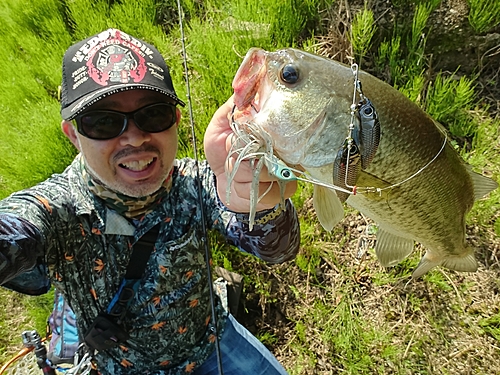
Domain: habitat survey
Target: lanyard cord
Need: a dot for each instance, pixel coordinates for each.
(204, 238)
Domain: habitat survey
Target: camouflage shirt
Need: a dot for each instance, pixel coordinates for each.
(59, 232)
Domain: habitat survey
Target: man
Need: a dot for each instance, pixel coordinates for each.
(79, 229)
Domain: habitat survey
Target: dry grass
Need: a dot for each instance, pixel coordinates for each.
(13, 321)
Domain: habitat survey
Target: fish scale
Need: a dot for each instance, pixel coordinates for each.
(416, 188)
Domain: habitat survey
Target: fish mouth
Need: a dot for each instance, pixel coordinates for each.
(247, 83)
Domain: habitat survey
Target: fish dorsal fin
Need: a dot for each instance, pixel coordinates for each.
(392, 249)
(482, 185)
(328, 207)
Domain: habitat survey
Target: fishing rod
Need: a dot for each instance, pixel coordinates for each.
(200, 197)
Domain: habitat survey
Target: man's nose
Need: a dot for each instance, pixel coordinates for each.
(133, 136)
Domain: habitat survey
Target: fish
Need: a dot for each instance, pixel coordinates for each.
(361, 142)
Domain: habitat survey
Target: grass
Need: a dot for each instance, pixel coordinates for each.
(362, 31)
(484, 15)
(334, 309)
(450, 101)
(20, 313)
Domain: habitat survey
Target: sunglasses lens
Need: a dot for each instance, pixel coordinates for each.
(155, 118)
(101, 124)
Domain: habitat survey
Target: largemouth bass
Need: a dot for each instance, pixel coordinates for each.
(361, 141)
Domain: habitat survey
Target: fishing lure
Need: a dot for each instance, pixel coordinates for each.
(360, 145)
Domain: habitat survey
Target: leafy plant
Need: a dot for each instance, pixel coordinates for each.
(362, 30)
(331, 301)
(449, 101)
(484, 15)
(491, 325)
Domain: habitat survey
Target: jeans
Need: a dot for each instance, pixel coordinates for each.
(242, 354)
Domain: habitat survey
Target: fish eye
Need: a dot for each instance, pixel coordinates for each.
(289, 74)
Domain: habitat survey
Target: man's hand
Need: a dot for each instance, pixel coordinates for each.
(217, 143)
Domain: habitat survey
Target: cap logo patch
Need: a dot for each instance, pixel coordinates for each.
(116, 64)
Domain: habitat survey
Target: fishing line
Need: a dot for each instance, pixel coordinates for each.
(356, 189)
(379, 190)
(204, 237)
(279, 169)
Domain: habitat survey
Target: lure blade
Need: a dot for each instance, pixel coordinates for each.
(369, 132)
(346, 168)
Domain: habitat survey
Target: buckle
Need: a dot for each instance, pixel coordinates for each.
(105, 333)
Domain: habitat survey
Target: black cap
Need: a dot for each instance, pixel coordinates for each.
(107, 63)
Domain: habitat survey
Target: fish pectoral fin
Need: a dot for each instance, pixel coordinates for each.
(367, 180)
(328, 207)
(482, 185)
(392, 249)
(466, 263)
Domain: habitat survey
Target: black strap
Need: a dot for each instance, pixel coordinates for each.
(141, 253)
(136, 265)
(106, 330)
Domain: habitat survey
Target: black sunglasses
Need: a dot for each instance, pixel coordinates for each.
(105, 124)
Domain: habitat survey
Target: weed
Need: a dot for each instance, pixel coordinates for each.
(309, 259)
(267, 338)
(20, 313)
(449, 101)
(291, 20)
(39, 308)
(300, 329)
(491, 325)
(438, 279)
(416, 40)
(484, 14)
(389, 61)
(404, 53)
(362, 30)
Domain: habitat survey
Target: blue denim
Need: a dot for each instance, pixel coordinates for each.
(242, 354)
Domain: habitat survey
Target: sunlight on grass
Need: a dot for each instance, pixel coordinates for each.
(449, 101)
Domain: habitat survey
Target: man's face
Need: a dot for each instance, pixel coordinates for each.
(136, 163)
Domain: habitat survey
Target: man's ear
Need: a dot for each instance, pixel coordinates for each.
(70, 131)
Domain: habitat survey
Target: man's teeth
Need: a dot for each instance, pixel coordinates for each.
(137, 165)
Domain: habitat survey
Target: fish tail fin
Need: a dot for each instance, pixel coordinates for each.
(466, 263)
(482, 185)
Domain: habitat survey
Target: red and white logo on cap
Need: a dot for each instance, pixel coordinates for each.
(116, 62)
